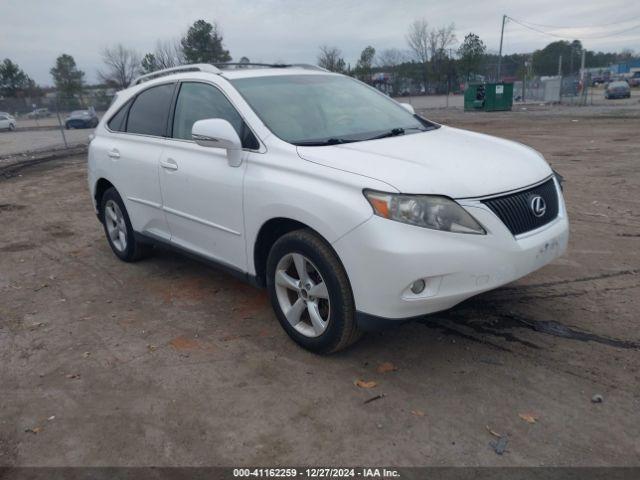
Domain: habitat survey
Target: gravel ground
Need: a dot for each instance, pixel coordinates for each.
(168, 362)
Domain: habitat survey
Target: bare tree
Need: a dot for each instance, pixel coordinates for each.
(441, 39)
(168, 54)
(331, 59)
(122, 66)
(418, 41)
(390, 57)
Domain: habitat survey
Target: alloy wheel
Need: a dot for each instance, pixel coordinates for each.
(116, 226)
(302, 295)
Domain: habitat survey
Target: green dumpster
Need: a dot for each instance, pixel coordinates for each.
(488, 97)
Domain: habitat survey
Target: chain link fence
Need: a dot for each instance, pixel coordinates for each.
(50, 124)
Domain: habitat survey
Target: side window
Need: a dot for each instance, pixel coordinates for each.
(2, 117)
(197, 101)
(148, 114)
(117, 122)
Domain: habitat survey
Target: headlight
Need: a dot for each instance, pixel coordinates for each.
(428, 211)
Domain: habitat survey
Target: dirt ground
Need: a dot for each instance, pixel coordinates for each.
(168, 362)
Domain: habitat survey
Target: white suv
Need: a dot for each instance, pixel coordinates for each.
(353, 211)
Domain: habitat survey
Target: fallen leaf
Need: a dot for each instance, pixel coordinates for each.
(386, 367)
(86, 354)
(493, 432)
(34, 430)
(73, 375)
(418, 413)
(152, 348)
(528, 417)
(52, 417)
(365, 384)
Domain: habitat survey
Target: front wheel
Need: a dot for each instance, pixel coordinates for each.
(310, 293)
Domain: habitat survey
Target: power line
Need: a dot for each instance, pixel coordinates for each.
(564, 37)
(567, 27)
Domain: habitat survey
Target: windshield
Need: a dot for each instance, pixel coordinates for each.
(325, 109)
(79, 112)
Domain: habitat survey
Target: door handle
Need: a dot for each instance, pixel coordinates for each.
(169, 164)
(114, 153)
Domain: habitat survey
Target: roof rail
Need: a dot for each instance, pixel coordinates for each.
(194, 67)
(240, 65)
(250, 64)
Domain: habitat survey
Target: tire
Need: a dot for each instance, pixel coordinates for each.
(129, 249)
(12, 127)
(334, 305)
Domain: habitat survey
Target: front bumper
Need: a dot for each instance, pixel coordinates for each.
(383, 258)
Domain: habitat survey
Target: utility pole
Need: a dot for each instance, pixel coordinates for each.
(560, 66)
(449, 76)
(504, 20)
(571, 62)
(583, 77)
(524, 80)
(560, 75)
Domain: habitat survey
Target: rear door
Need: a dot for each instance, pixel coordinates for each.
(135, 149)
(4, 122)
(202, 193)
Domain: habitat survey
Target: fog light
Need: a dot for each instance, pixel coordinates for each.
(417, 287)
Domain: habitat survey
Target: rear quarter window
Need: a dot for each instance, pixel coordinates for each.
(149, 111)
(119, 121)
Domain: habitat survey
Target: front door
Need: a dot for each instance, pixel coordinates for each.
(201, 192)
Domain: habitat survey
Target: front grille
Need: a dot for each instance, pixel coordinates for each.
(516, 212)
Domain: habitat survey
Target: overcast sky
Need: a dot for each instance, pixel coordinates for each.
(34, 32)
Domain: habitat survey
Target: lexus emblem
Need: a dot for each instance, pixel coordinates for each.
(538, 205)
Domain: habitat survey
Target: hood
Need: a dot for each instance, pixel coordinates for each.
(447, 161)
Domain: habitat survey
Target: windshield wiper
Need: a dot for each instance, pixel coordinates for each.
(319, 143)
(394, 132)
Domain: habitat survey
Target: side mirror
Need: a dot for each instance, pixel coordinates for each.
(409, 108)
(218, 133)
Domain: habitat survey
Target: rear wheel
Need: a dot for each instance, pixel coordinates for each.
(118, 229)
(310, 293)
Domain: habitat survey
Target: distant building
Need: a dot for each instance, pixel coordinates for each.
(625, 67)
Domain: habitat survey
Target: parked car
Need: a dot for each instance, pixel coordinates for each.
(600, 78)
(7, 122)
(81, 119)
(619, 89)
(354, 212)
(39, 113)
(634, 80)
